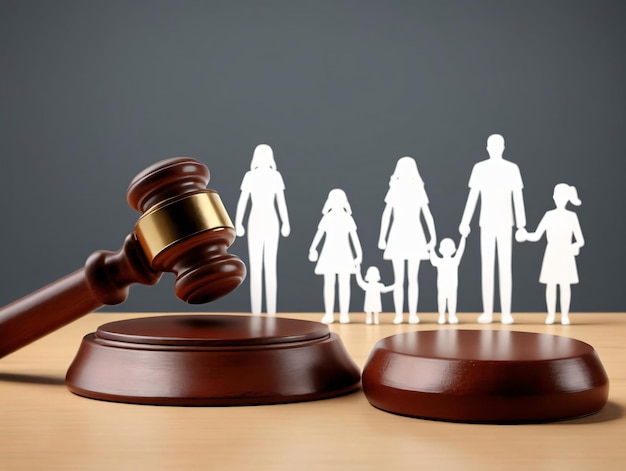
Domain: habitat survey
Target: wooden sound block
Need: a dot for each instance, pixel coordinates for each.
(214, 360)
(491, 376)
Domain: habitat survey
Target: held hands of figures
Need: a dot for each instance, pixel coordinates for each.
(313, 255)
(240, 230)
(521, 235)
(431, 244)
(382, 244)
(464, 230)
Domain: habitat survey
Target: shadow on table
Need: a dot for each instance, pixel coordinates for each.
(611, 411)
(32, 379)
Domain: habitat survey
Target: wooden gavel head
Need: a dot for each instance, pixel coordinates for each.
(184, 229)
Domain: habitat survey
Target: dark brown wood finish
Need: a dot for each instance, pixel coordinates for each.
(214, 360)
(205, 271)
(492, 376)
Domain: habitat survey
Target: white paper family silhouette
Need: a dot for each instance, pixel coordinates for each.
(496, 182)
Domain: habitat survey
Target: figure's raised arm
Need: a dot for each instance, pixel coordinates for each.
(387, 289)
(460, 249)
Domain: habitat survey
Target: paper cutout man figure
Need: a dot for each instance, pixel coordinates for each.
(559, 260)
(402, 235)
(447, 277)
(340, 254)
(373, 289)
(498, 183)
(264, 186)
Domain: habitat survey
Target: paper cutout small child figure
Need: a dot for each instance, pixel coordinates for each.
(447, 277)
(340, 253)
(373, 289)
(559, 260)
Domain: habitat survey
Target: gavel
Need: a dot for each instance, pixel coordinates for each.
(184, 229)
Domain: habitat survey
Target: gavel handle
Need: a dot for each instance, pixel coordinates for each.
(104, 279)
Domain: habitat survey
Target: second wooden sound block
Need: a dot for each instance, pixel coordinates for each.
(214, 360)
(490, 376)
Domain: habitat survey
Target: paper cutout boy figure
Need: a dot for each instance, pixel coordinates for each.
(340, 254)
(402, 235)
(559, 260)
(498, 184)
(447, 277)
(263, 185)
(373, 289)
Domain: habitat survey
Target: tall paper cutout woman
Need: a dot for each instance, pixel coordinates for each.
(263, 185)
(402, 235)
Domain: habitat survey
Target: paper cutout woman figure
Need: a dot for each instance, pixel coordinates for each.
(373, 289)
(264, 186)
(498, 183)
(447, 277)
(340, 253)
(402, 235)
(559, 260)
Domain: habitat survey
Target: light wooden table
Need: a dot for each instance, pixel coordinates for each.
(45, 427)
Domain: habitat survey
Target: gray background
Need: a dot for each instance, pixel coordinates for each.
(93, 92)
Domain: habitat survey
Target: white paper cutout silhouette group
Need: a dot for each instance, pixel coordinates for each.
(407, 236)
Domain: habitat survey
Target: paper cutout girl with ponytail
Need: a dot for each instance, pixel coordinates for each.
(339, 256)
(559, 260)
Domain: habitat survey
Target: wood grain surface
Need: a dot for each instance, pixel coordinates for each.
(45, 427)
